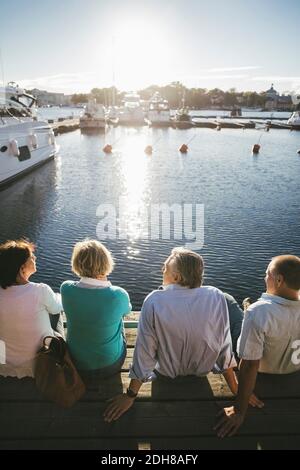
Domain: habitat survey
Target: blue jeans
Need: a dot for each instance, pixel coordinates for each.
(92, 377)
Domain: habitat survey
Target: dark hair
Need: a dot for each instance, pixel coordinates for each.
(289, 267)
(13, 254)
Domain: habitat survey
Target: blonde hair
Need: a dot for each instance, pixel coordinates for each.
(90, 258)
(189, 265)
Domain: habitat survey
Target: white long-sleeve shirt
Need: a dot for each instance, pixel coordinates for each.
(24, 322)
(182, 332)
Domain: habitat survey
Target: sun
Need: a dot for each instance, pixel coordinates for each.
(140, 53)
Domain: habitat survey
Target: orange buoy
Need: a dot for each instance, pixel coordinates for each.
(255, 148)
(107, 148)
(148, 150)
(183, 149)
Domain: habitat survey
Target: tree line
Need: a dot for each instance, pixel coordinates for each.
(176, 93)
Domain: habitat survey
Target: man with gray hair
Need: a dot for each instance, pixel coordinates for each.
(183, 330)
(269, 345)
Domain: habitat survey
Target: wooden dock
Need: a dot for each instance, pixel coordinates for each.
(168, 414)
(62, 126)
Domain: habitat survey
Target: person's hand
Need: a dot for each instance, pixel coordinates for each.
(117, 406)
(256, 402)
(229, 421)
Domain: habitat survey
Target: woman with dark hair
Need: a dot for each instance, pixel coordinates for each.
(25, 309)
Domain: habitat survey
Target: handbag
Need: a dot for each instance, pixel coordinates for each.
(55, 374)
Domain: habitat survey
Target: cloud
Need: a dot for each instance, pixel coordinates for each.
(63, 83)
(275, 78)
(212, 77)
(233, 69)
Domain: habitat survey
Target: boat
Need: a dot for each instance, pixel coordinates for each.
(294, 121)
(131, 113)
(25, 141)
(159, 112)
(182, 119)
(113, 115)
(94, 117)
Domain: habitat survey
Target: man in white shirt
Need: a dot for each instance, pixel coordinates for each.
(183, 330)
(270, 337)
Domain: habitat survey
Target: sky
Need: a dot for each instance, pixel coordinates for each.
(72, 46)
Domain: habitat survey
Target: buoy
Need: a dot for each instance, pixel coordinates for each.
(14, 148)
(255, 148)
(183, 149)
(298, 152)
(107, 148)
(148, 150)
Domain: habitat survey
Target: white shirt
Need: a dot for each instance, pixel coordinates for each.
(92, 283)
(182, 332)
(271, 334)
(24, 322)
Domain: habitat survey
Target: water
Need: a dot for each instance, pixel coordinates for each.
(251, 202)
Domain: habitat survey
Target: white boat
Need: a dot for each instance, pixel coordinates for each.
(94, 116)
(25, 142)
(131, 113)
(294, 120)
(159, 111)
(113, 115)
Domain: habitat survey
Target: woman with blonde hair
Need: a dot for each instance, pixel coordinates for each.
(95, 309)
(29, 311)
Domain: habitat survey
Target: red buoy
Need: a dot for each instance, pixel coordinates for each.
(255, 148)
(107, 148)
(148, 150)
(183, 149)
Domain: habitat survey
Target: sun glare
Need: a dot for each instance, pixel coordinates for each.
(141, 54)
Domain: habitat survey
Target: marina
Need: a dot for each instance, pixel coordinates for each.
(252, 190)
(149, 229)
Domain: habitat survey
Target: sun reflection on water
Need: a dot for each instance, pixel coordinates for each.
(133, 169)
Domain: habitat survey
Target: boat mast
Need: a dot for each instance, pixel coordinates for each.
(113, 72)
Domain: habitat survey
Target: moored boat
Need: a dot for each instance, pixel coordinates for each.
(94, 117)
(294, 121)
(25, 142)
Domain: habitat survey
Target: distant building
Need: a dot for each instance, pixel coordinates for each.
(271, 99)
(274, 101)
(45, 98)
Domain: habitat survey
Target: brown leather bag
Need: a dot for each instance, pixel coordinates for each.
(55, 374)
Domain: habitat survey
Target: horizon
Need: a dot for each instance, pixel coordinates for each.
(71, 48)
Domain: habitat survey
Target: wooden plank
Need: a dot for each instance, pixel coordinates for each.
(143, 420)
(69, 444)
(188, 388)
(131, 334)
(280, 442)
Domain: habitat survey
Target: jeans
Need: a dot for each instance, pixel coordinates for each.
(92, 377)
